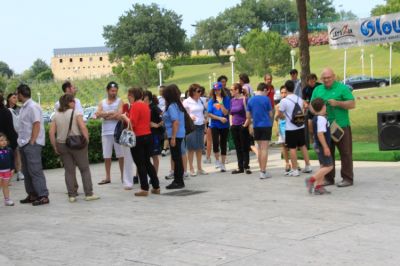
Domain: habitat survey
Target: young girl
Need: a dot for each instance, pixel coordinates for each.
(281, 132)
(6, 168)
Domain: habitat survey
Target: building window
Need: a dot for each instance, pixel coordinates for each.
(90, 59)
(101, 58)
(60, 60)
(63, 68)
(83, 67)
(70, 60)
(81, 59)
(88, 67)
(69, 68)
(104, 66)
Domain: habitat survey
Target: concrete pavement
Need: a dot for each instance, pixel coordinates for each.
(236, 220)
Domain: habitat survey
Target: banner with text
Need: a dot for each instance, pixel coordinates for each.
(374, 30)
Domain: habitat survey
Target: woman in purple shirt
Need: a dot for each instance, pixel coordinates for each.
(239, 129)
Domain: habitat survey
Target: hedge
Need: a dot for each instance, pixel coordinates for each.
(50, 160)
(197, 60)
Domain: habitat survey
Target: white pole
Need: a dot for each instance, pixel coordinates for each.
(390, 65)
(362, 62)
(233, 73)
(372, 65)
(345, 65)
(160, 76)
(209, 78)
(292, 61)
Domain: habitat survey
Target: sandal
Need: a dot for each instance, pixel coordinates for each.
(103, 182)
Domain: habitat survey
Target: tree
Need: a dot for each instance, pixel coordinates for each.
(391, 6)
(38, 67)
(140, 71)
(44, 75)
(239, 21)
(321, 9)
(347, 15)
(145, 30)
(3, 84)
(303, 41)
(211, 34)
(5, 70)
(265, 52)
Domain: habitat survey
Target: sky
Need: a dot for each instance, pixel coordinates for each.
(32, 29)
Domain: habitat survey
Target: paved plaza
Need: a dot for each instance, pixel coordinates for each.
(221, 219)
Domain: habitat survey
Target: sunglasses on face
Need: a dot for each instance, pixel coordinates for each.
(198, 91)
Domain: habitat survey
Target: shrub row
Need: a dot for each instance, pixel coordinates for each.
(197, 60)
(51, 160)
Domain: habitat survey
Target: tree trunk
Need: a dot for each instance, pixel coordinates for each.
(303, 41)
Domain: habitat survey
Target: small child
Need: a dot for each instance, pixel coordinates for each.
(281, 132)
(6, 168)
(322, 140)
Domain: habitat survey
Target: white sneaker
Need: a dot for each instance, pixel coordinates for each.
(93, 197)
(72, 199)
(186, 175)
(193, 173)
(8, 202)
(307, 169)
(20, 176)
(207, 161)
(202, 172)
(265, 175)
(294, 173)
(170, 175)
(217, 164)
(223, 169)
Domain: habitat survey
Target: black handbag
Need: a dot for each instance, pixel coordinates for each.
(77, 142)
(189, 125)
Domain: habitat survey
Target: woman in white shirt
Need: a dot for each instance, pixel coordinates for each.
(195, 107)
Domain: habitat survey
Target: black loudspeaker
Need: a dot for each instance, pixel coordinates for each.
(389, 130)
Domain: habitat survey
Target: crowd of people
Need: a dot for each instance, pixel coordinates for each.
(187, 125)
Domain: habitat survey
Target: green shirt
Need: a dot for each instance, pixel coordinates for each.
(338, 92)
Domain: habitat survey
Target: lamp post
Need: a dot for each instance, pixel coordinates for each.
(214, 76)
(160, 67)
(38, 95)
(292, 54)
(362, 62)
(232, 60)
(371, 56)
(390, 63)
(209, 80)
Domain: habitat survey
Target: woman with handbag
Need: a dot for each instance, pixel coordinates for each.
(139, 121)
(69, 138)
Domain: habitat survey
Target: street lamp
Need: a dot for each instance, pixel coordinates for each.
(160, 67)
(232, 60)
(371, 56)
(292, 54)
(362, 62)
(38, 95)
(209, 79)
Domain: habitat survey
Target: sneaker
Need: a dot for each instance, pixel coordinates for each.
(28, 199)
(248, 171)
(309, 184)
(174, 185)
(237, 171)
(321, 191)
(156, 191)
(8, 202)
(202, 172)
(207, 161)
(217, 164)
(287, 169)
(307, 169)
(294, 173)
(170, 176)
(193, 173)
(164, 153)
(265, 175)
(142, 193)
(41, 201)
(20, 176)
(93, 197)
(186, 175)
(223, 169)
(72, 199)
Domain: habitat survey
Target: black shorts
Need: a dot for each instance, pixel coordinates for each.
(158, 142)
(295, 138)
(262, 133)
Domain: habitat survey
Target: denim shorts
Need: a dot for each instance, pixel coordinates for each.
(323, 160)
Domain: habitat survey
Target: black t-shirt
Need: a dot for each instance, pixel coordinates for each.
(308, 91)
(156, 118)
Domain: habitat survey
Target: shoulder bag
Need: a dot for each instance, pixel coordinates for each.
(77, 142)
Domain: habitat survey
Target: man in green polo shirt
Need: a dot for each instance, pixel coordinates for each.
(339, 100)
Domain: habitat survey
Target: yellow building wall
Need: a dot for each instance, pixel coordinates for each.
(82, 66)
